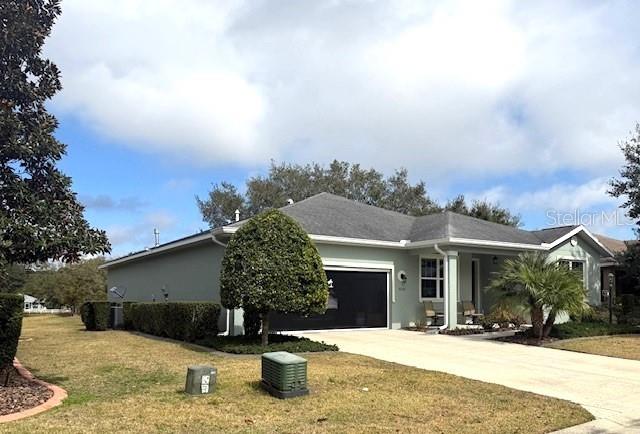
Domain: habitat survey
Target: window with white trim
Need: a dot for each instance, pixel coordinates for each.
(577, 266)
(431, 278)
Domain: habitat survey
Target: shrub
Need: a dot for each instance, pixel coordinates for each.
(462, 332)
(127, 319)
(592, 314)
(253, 345)
(628, 309)
(95, 315)
(185, 321)
(11, 307)
(572, 329)
(503, 317)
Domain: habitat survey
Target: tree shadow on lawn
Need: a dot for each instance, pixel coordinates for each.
(53, 379)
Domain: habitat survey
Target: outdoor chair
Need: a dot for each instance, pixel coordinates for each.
(431, 314)
(471, 316)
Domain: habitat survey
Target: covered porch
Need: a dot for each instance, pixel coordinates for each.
(452, 282)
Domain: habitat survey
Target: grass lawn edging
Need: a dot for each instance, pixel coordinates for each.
(59, 395)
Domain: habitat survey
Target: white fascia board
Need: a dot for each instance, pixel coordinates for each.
(329, 239)
(575, 232)
(402, 244)
(476, 243)
(169, 246)
(497, 244)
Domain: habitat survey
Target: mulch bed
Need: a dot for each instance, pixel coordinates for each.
(21, 394)
(526, 339)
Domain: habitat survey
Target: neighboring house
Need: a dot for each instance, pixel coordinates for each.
(31, 303)
(382, 265)
(610, 266)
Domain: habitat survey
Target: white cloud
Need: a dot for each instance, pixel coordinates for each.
(561, 197)
(565, 204)
(448, 88)
(140, 233)
(107, 202)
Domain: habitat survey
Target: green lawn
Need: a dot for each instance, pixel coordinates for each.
(626, 347)
(121, 382)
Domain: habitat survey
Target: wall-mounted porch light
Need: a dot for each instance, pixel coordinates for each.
(495, 260)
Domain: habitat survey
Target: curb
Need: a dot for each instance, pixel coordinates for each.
(59, 394)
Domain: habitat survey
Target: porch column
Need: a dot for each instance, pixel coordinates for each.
(452, 289)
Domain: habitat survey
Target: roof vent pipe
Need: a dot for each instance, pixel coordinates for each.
(156, 235)
(237, 215)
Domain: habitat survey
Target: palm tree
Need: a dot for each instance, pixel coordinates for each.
(534, 284)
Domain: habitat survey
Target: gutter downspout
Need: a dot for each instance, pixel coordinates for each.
(446, 285)
(220, 243)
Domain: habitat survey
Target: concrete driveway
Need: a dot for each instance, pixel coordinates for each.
(607, 387)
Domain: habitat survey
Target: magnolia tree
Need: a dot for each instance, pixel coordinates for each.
(271, 265)
(40, 216)
(536, 285)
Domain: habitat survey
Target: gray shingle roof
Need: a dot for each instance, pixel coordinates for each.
(328, 214)
(549, 235)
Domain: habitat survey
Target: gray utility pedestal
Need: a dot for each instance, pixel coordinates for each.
(284, 375)
(201, 379)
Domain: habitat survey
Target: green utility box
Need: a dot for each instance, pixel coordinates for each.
(284, 375)
(201, 379)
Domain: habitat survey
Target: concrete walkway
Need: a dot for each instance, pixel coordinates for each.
(607, 387)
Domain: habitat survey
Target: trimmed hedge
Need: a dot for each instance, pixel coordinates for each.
(95, 315)
(11, 308)
(253, 345)
(127, 319)
(570, 330)
(185, 321)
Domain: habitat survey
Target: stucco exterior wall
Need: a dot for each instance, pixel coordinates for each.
(192, 274)
(188, 274)
(583, 251)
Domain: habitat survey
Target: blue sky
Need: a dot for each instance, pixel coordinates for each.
(517, 103)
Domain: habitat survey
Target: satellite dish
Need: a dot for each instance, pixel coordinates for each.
(116, 291)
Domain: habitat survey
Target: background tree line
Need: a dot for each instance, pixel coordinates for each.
(627, 186)
(297, 182)
(69, 285)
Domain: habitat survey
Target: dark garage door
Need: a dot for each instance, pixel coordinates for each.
(358, 300)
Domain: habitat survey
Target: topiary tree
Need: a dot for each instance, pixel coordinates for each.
(271, 265)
